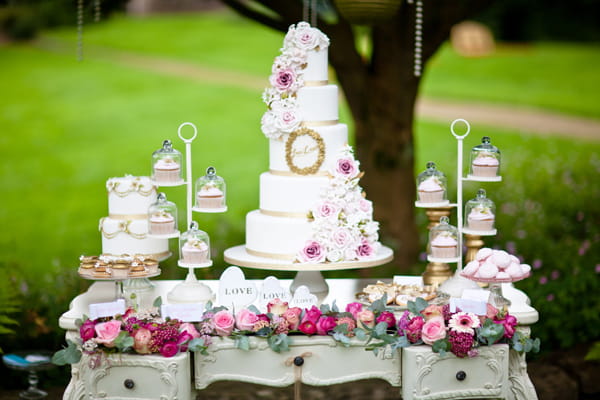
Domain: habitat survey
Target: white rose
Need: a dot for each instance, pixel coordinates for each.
(268, 125)
(334, 255)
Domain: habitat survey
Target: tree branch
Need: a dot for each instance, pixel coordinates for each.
(242, 8)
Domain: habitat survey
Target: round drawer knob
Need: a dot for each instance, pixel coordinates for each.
(298, 361)
(461, 375)
(129, 384)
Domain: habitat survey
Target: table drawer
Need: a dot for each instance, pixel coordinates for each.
(429, 376)
(138, 377)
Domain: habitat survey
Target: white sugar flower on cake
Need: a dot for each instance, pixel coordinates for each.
(287, 77)
(343, 228)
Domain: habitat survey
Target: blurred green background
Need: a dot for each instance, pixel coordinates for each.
(67, 126)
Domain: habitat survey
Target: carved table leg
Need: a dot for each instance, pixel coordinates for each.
(520, 385)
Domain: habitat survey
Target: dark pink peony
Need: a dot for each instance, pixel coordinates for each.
(87, 331)
(325, 324)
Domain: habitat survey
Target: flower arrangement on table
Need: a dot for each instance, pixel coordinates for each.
(460, 333)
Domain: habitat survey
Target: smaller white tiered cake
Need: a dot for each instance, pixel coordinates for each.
(125, 229)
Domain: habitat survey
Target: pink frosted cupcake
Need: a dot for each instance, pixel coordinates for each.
(444, 246)
(485, 166)
(162, 223)
(480, 219)
(167, 170)
(430, 191)
(194, 252)
(210, 196)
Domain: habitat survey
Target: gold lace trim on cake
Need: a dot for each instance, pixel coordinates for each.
(122, 226)
(128, 216)
(136, 186)
(285, 214)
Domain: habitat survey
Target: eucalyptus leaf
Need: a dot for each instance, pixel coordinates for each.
(157, 302)
(381, 329)
(325, 309)
(242, 342)
(360, 334)
(123, 342)
(253, 308)
(196, 344)
(69, 355)
(345, 340)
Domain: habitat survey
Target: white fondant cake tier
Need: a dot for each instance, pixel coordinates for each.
(275, 237)
(334, 138)
(290, 194)
(121, 236)
(318, 103)
(317, 66)
(130, 196)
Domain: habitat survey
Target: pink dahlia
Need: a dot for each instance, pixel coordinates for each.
(460, 343)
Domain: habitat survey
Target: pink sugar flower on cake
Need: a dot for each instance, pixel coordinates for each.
(326, 209)
(284, 80)
(365, 250)
(346, 168)
(313, 252)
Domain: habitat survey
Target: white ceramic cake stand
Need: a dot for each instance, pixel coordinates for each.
(308, 275)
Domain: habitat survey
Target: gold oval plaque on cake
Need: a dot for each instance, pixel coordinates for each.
(304, 151)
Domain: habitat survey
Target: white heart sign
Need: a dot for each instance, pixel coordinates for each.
(271, 290)
(235, 292)
(303, 298)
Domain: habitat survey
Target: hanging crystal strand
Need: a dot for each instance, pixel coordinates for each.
(418, 37)
(79, 30)
(96, 10)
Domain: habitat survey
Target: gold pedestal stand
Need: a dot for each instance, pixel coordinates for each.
(474, 244)
(436, 273)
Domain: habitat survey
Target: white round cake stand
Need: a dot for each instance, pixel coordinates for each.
(191, 290)
(308, 275)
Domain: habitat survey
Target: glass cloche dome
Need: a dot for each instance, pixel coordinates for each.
(162, 216)
(431, 185)
(194, 247)
(210, 192)
(443, 240)
(485, 159)
(166, 165)
(480, 213)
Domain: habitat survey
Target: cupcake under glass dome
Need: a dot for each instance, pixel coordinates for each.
(431, 187)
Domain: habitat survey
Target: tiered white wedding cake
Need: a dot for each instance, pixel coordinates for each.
(125, 229)
(312, 209)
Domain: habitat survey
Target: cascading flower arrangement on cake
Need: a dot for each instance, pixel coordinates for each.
(343, 228)
(284, 116)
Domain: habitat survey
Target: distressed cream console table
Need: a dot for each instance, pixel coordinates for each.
(419, 374)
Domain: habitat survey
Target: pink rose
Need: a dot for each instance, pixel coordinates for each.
(434, 329)
(224, 322)
(190, 329)
(413, 330)
(245, 319)
(87, 331)
(312, 314)
(283, 79)
(306, 37)
(509, 322)
(325, 324)
(308, 328)
(365, 250)
(288, 120)
(491, 311)
(354, 308)
(277, 306)
(388, 318)
(326, 209)
(346, 167)
(365, 318)
(350, 324)
(141, 341)
(312, 252)
(169, 349)
(292, 316)
(107, 332)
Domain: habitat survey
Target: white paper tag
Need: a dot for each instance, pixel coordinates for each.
(234, 290)
(186, 312)
(465, 305)
(408, 280)
(99, 310)
(303, 298)
(271, 289)
(476, 294)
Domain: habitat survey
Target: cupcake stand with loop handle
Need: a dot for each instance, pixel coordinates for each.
(194, 244)
(485, 163)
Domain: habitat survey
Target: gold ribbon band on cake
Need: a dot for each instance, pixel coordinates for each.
(273, 256)
(290, 173)
(128, 216)
(316, 83)
(310, 124)
(284, 214)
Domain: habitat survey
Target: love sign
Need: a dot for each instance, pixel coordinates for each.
(271, 290)
(234, 290)
(303, 298)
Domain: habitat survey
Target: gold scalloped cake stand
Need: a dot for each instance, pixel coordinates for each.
(308, 275)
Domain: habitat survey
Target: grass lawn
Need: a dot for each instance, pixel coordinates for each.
(67, 127)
